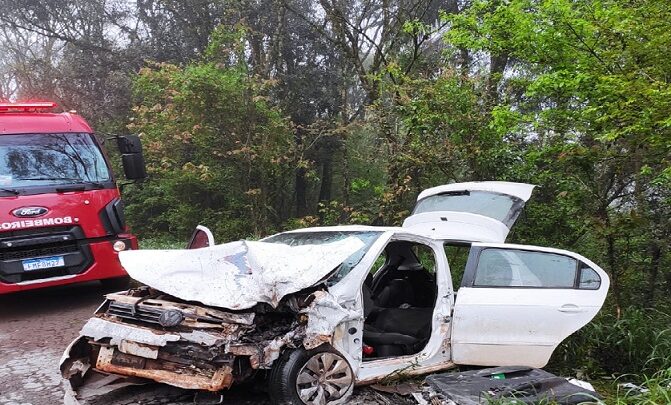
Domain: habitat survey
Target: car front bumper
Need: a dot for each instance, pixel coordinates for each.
(208, 349)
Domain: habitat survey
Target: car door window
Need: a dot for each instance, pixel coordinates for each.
(589, 279)
(457, 257)
(520, 268)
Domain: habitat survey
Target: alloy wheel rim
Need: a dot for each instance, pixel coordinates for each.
(325, 377)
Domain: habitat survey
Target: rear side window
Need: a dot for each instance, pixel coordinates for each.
(502, 207)
(589, 279)
(521, 268)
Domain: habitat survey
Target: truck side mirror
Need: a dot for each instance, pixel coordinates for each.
(133, 166)
(129, 144)
(132, 158)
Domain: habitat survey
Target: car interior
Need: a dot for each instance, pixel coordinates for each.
(399, 299)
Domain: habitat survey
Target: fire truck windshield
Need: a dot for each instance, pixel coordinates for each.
(30, 161)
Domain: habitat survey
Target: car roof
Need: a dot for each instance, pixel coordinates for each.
(40, 122)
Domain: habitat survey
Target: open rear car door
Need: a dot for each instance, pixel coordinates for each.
(475, 211)
(517, 303)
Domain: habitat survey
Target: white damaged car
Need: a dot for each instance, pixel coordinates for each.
(325, 309)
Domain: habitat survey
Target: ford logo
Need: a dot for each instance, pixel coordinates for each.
(29, 212)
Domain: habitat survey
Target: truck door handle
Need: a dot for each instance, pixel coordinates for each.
(570, 308)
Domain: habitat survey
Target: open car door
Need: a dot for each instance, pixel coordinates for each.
(201, 237)
(476, 211)
(517, 303)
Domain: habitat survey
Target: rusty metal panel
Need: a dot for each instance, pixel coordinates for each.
(198, 379)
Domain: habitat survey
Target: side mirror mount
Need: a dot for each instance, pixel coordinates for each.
(132, 158)
(202, 237)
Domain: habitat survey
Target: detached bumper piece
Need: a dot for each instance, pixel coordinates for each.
(524, 385)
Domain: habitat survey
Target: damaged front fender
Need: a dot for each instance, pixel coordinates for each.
(324, 315)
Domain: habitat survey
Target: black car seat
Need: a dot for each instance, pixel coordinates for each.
(398, 331)
(396, 293)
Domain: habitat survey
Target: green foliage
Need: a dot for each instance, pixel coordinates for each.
(657, 391)
(216, 152)
(638, 343)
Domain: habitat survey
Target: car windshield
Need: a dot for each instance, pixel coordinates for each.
(34, 160)
(501, 207)
(321, 238)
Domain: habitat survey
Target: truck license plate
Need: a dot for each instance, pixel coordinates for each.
(43, 263)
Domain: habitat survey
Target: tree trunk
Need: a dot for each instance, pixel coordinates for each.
(327, 177)
(301, 193)
(655, 252)
(497, 65)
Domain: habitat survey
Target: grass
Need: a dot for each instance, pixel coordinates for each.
(161, 242)
(636, 344)
(655, 390)
(610, 351)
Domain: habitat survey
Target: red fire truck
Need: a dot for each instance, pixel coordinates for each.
(61, 215)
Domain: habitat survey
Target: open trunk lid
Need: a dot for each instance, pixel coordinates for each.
(482, 211)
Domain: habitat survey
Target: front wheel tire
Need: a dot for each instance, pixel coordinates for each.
(310, 377)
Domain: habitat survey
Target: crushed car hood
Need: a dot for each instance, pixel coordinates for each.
(237, 275)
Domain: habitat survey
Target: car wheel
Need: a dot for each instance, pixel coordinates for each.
(116, 284)
(312, 377)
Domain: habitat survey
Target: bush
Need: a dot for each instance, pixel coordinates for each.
(637, 343)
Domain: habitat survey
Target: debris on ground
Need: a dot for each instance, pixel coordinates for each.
(523, 384)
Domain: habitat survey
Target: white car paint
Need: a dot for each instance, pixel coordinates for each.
(457, 226)
(488, 326)
(520, 190)
(436, 354)
(510, 325)
(466, 226)
(237, 275)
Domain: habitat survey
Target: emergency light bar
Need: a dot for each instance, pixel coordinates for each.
(27, 106)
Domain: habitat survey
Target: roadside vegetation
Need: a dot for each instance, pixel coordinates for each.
(258, 117)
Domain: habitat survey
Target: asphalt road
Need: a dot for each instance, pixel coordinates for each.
(35, 328)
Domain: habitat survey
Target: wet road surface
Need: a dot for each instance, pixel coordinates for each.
(35, 327)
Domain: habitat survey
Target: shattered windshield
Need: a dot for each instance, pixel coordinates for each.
(33, 160)
(322, 238)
